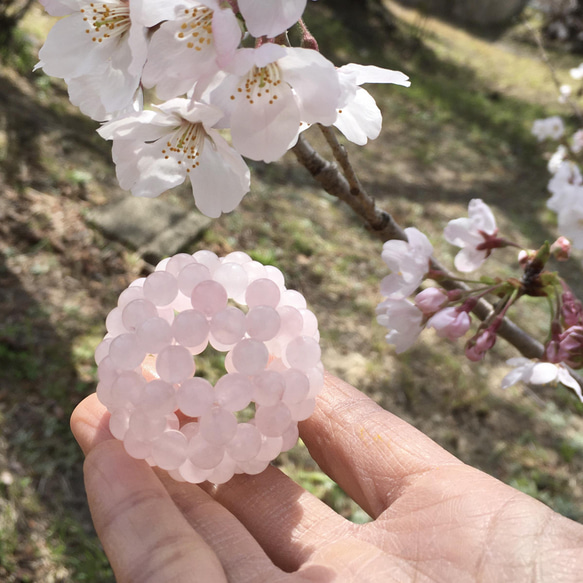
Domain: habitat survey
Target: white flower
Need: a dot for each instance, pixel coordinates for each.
(577, 73)
(577, 142)
(403, 321)
(408, 262)
(198, 39)
(100, 43)
(550, 127)
(471, 233)
(570, 220)
(564, 93)
(565, 186)
(359, 118)
(534, 372)
(557, 159)
(156, 150)
(268, 92)
(270, 17)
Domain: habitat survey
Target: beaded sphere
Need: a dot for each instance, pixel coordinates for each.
(146, 362)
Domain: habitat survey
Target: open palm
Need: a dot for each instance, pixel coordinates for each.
(436, 519)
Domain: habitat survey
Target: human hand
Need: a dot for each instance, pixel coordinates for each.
(435, 519)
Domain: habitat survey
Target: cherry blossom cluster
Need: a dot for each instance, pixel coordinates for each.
(228, 84)
(448, 312)
(146, 366)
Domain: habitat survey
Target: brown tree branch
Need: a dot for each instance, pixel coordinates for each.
(348, 188)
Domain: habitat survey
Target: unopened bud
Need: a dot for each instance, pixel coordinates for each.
(561, 249)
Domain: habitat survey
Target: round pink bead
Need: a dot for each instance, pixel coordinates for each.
(103, 392)
(125, 352)
(106, 371)
(102, 350)
(209, 297)
(273, 421)
(228, 326)
(136, 448)
(255, 270)
(175, 364)
(195, 396)
(144, 427)
(291, 321)
(127, 388)
(302, 410)
(310, 323)
(161, 288)
(237, 257)
(253, 467)
(270, 448)
(158, 398)
(316, 377)
(191, 276)
(269, 387)
(119, 423)
(293, 298)
(161, 265)
(203, 454)
(290, 437)
(129, 295)
(178, 262)
(169, 450)
(303, 353)
(153, 335)
(250, 356)
(246, 443)
(137, 312)
(233, 278)
(233, 392)
(224, 471)
(193, 474)
(114, 323)
(190, 328)
(275, 275)
(262, 322)
(297, 386)
(262, 292)
(207, 258)
(218, 426)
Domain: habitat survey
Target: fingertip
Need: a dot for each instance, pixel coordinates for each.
(90, 423)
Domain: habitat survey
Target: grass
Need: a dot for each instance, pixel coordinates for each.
(461, 131)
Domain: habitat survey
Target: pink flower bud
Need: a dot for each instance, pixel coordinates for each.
(571, 310)
(561, 248)
(450, 323)
(430, 300)
(571, 346)
(477, 347)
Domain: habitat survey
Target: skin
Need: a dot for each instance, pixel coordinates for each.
(435, 518)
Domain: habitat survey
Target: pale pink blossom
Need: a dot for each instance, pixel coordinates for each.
(403, 321)
(359, 117)
(430, 300)
(408, 262)
(550, 127)
(157, 150)
(533, 372)
(470, 234)
(270, 17)
(477, 347)
(450, 323)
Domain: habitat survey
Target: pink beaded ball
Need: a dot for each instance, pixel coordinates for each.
(146, 366)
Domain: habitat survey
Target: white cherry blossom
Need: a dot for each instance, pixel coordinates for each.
(100, 43)
(270, 17)
(157, 150)
(550, 127)
(533, 372)
(403, 321)
(268, 91)
(469, 234)
(198, 39)
(408, 262)
(359, 117)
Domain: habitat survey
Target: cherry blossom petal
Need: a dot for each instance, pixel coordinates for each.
(361, 119)
(60, 7)
(566, 379)
(362, 74)
(270, 17)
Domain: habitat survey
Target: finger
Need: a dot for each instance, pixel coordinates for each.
(373, 455)
(144, 535)
(90, 423)
(288, 522)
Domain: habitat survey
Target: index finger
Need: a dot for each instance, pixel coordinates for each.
(372, 455)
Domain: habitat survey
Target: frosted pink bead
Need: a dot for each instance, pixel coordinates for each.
(275, 275)
(224, 471)
(290, 437)
(229, 366)
(207, 258)
(175, 364)
(203, 454)
(153, 335)
(114, 323)
(253, 467)
(316, 377)
(270, 448)
(303, 353)
(269, 387)
(273, 421)
(106, 371)
(161, 265)
(137, 312)
(103, 392)
(250, 356)
(191, 276)
(195, 396)
(291, 321)
(302, 410)
(233, 278)
(297, 386)
(181, 302)
(102, 350)
(262, 292)
(127, 388)
(246, 443)
(135, 447)
(233, 392)
(190, 328)
(161, 288)
(125, 352)
(209, 297)
(293, 298)
(190, 429)
(218, 426)
(255, 270)
(129, 295)
(237, 257)
(193, 474)
(169, 450)
(144, 427)
(310, 327)
(178, 262)
(158, 398)
(175, 475)
(172, 421)
(119, 423)
(228, 326)
(262, 322)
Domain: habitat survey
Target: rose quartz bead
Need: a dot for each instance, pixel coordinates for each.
(275, 275)
(228, 326)
(310, 327)
(161, 265)
(191, 276)
(203, 454)
(175, 364)
(153, 335)
(137, 312)
(270, 448)
(102, 350)
(303, 353)
(106, 371)
(253, 467)
(224, 471)
(302, 410)
(218, 426)
(207, 258)
(119, 423)
(262, 292)
(209, 297)
(237, 257)
(262, 322)
(250, 356)
(273, 421)
(269, 387)
(158, 398)
(190, 328)
(246, 443)
(293, 298)
(178, 262)
(127, 388)
(233, 392)
(291, 321)
(160, 288)
(233, 278)
(144, 427)
(136, 448)
(114, 323)
(169, 450)
(297, 386)
(125, 352)
(193, 474)
(129, 295)
(290, 437)
(255, 270)
(195, 396)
